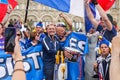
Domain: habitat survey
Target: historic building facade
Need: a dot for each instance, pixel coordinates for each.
(38, 12)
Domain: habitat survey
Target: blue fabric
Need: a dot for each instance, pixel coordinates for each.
(88, 24)
(79, 42)
(104, 41)
(76, 70)
(4, 1)
(42, 35)
(32, 63)
(22, 46)
(39, 24)
(62, 5)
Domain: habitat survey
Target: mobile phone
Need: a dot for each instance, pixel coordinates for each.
(10, 34)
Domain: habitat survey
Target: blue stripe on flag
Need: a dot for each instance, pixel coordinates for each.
(4, 1)
(62, 5)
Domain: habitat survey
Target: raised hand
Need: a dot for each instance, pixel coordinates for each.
(9, 9)
(115, 59)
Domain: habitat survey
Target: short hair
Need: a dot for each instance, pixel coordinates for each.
(32, 35)
(61, 25)
(50, 25)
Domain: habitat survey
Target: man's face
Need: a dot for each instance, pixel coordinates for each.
(38, 29)
(60, 31)
(51, 30)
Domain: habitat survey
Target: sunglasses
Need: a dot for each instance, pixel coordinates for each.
(18, 34)
(37, 35)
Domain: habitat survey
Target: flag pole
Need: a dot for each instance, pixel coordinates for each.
(26, 11)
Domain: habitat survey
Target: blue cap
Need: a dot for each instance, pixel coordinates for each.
(39, 24)
(104, 41)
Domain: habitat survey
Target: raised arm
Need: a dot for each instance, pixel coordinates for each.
(18, 73)
(115, 59)
(90, 14)
(103, 15)
(66, 20)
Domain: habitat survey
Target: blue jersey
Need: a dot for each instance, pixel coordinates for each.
(80, 42)
(77, 41)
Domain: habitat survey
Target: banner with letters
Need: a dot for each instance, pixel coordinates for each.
(78, 42)
(32, 61)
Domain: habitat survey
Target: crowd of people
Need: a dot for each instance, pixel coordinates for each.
(53, 38)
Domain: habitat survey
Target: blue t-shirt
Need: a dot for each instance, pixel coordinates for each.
(106, 33)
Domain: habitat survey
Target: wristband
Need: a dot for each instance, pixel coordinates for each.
(18, 61)
(19, 70)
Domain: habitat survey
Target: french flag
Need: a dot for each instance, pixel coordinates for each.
(3, 7)
(88, 24)
(75, 7)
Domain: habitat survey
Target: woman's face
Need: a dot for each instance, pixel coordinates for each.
(19, 35)
(105, 50)
(51, 30)
(37, 37)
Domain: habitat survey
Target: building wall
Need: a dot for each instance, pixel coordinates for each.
(38, 12)
(115, 12)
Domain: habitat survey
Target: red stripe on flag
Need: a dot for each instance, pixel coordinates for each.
(3, 8)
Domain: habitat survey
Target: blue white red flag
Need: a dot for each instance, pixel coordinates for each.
(88, 24)
(75, 7)
(3, 7)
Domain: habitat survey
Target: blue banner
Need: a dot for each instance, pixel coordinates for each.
(4, 1)
(78, 41)
(32, 61)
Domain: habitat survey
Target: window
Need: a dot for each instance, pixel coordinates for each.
(17, 7)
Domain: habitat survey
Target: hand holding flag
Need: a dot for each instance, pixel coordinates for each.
(4, 7)
(9, 8)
